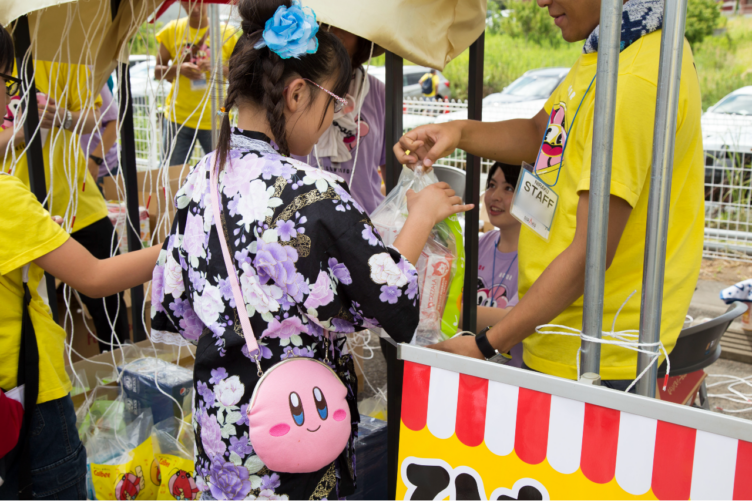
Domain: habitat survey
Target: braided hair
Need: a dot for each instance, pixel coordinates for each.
(259, 75)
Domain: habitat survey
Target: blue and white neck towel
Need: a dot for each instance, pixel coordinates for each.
(638, 18)
(739, 292)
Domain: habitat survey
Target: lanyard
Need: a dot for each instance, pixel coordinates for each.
(493, 269)
(566, 142)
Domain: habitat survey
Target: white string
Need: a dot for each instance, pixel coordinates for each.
(735, 395)
(362, 98)
(628, 339)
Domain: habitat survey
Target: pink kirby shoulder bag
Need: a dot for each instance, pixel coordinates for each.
(299, 419)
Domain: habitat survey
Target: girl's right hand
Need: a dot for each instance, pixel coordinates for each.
(435, 203)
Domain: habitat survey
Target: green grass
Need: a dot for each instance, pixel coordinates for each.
(724, 63)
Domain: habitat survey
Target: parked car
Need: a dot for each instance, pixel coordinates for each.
(144, 86)
(727, 141)
(134, 59)
(727, 125)
(523, 98)
(410, 77)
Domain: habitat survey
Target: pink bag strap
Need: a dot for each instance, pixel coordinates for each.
(245, 323)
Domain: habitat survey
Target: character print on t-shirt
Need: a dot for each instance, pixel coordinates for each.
(554, 140)
(494, 297)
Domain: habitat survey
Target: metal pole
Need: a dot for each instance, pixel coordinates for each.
(128, 156)
(472, 188)
(34, 154)
(217, 76)
(393, 116)
(664, 134)
(600, 181)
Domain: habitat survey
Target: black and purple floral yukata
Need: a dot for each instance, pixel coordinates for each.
(309, 262)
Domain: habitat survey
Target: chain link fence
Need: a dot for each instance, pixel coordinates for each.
(728, 167)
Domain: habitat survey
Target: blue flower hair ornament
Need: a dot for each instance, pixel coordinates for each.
(291, 32)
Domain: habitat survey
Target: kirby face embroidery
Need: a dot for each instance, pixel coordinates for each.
(300, 420)
(553, 141)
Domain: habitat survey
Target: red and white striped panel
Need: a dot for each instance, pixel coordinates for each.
(641, 453)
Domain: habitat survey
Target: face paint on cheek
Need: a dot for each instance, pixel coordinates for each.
(340, 415)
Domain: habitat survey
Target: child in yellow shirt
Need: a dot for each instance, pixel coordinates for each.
(30, 244)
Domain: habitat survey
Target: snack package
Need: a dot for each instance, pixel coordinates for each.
(441, 267)
(173, 466)
(128, 478)
(434, 274)
(119, 458)
(118, 214)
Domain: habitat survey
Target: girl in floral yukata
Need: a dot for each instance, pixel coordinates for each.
(311, 266)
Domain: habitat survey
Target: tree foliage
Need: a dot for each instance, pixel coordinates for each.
(702, 17)
(528, 21)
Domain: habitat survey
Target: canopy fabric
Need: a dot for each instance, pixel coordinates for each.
(80, 32)
(426, 32)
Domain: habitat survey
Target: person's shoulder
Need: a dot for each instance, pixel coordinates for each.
(377, 84)
(14, 190)
(171, 26)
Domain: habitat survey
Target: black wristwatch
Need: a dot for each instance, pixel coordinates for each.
(97, 160)
(488, 351)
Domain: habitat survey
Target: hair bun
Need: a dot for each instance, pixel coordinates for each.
(255, 13)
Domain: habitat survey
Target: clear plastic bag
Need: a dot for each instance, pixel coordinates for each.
(441, 267)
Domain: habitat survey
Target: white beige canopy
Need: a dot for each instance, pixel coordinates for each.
(428, 32)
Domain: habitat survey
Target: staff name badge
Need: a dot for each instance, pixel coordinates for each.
(534, 204)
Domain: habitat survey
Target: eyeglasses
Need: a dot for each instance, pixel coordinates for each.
(339, 103)
(12, 84)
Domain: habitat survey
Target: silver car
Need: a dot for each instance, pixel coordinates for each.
(410, 77)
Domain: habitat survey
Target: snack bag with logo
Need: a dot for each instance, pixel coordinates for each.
(441, 267)
(128, 478)
(173, 467)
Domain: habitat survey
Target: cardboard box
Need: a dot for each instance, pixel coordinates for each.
(146, 384)
(151, 194)
(84, 344)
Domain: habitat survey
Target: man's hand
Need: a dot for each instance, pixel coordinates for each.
(58, 220)
(204, 65)
(428, 143)
(460, 345)
(191, 71)
(50, 115)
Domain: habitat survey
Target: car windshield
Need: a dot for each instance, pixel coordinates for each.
(739, 104)
(533, 86)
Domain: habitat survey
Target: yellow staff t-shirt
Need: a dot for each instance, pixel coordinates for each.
(68, 85)
(630, 180)
(190, 105)
(26, 233)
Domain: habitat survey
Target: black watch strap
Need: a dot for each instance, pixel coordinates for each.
(484, 345)
(97, 160)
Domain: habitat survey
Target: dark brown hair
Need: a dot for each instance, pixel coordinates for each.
(363, 51)
(259, 75)
(6, 51)
(511, 173)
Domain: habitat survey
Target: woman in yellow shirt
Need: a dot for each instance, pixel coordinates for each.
(559, 141)
(185, 42)
(31, 243)
(67, 114)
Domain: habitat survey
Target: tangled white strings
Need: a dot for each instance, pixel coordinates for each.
(628, 339)
(734, 395)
